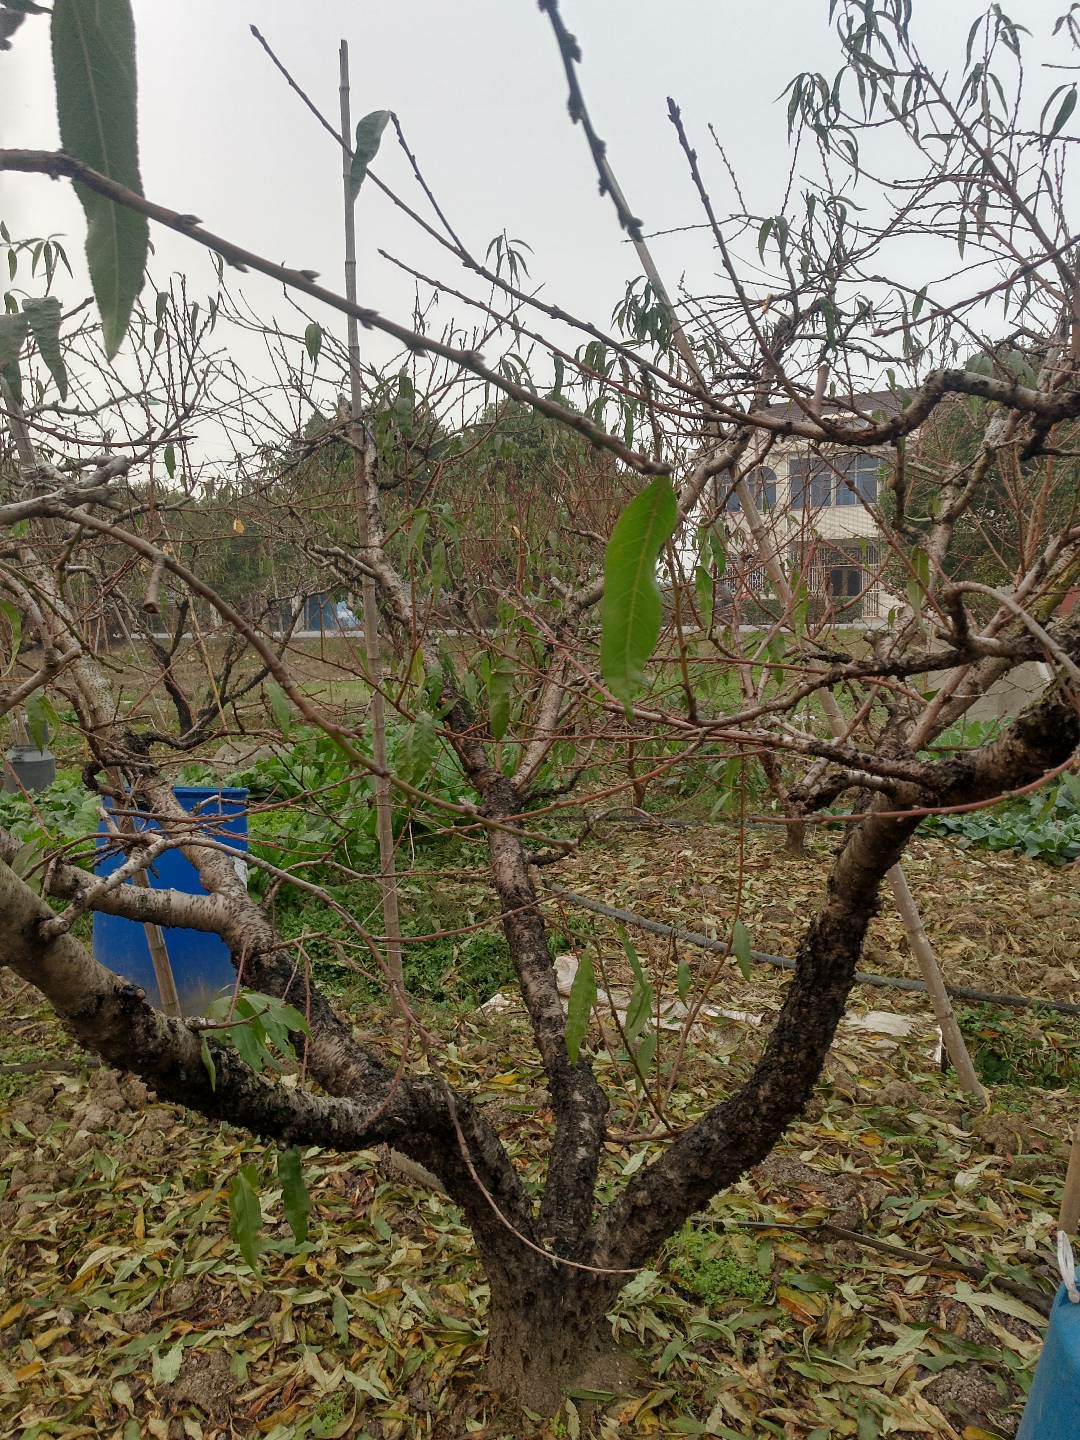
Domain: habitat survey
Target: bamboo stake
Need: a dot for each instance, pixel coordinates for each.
(1069, 1217)
(159, 956)
(361, 477)
(953, 1040)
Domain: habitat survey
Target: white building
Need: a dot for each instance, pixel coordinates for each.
(819, 509)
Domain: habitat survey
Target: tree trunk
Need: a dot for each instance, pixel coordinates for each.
(548, 1338)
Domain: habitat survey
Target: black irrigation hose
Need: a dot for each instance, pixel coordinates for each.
(862, 977)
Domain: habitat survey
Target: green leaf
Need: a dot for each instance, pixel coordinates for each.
(672, 1351)
(919, 584)
(869, 1428)
(499, 680)
(313, 341)
(438, 569)
(1068, 105)
(339, 1314)
(294, 1193)
(740, 947)
(631, 954)
(44, 318)
(14, 619)
(368, 136)
(645, 1055)
(256, 1022)
(93, 48)
(631, 610)
(718, 546)
(639, 1009)
(41, 716)
(165, 1365)
(249, 1037)
(683, 980)
(763, 237)
(13, 331)
(279, 707)
(800, 609)
(641, 1000)
(245, 1214)
(208, 1062)
(415, 751)
(170, 460)
(24, 859)
(580, 1007)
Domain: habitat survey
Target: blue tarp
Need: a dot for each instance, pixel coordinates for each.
(1053, 1407)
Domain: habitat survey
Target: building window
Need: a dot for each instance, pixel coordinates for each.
(815, 477)
(857, 479)
(762, 482)
(843, 480)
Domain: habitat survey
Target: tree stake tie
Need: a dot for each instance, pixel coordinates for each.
(1067, 1266)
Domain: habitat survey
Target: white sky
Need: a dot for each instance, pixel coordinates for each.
(480, 91)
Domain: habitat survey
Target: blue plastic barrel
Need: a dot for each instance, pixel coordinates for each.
(200, 960)
(1053, 1408)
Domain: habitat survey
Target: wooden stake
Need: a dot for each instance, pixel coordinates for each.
(362, 479)
(1069, 1217)
(159, 956)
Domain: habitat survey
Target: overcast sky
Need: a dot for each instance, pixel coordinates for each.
(480, 91)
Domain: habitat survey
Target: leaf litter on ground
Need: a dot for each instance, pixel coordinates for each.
(129, 1310)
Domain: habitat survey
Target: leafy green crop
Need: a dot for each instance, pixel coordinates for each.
(1045, 825)
(1029, 1048)
(65, 812)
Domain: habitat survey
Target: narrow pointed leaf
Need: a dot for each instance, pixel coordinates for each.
(631, 610)
(499, 682)
(14, 620)
(368, 136)
(279, 707)
(580, 1007)
(740, 946)
(683, 979)
(294, 1193)
(93, 48)
(13, 331)
(44, 318)
(245, 1214)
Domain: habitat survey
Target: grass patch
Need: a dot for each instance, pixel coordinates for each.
(712, 1268)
